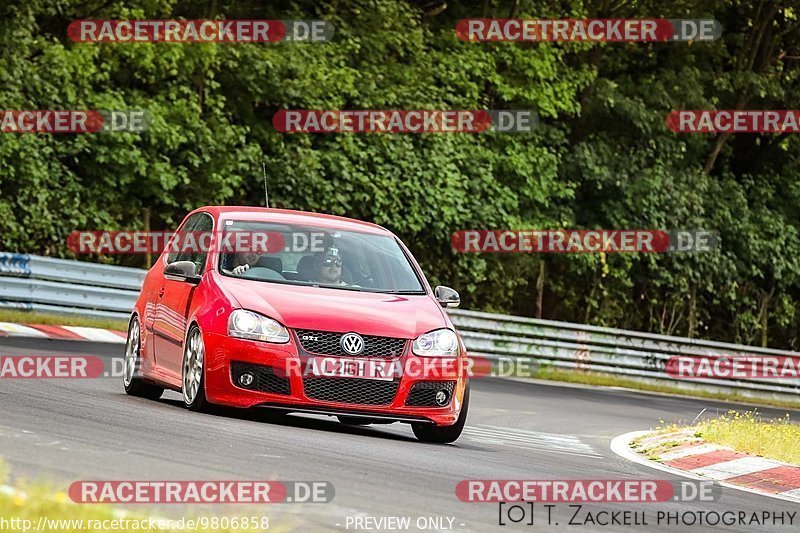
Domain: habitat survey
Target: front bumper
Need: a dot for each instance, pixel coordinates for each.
(288, 363)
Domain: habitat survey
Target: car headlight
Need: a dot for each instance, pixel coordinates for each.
(436, 343)
(246, 324)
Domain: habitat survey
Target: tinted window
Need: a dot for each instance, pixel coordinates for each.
(199, 223)
(323, 257)
(187, 226)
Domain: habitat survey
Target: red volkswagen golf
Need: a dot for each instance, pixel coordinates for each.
(334, 318)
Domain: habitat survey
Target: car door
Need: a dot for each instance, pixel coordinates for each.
(155, 288)
(174, 302)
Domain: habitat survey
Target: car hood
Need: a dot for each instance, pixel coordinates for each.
(340, 310)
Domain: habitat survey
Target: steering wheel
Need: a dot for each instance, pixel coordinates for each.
(361, 279)
(261, 273)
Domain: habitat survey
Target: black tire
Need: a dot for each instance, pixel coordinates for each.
(133, 382)
(354, 420)
(443, 434)
(198, 402)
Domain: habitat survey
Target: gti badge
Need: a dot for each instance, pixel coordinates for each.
(352, 343)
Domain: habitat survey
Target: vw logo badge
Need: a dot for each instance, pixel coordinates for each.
(352, 343)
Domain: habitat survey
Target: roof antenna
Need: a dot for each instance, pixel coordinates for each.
(266, 194)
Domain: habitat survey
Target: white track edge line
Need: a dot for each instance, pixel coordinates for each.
(620, 445)
(697, 449)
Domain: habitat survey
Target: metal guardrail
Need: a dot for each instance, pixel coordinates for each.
(633, 354)
(72, 287)
(44, 284)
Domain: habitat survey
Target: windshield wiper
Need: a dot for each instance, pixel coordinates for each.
(402, 292)
(326, 286)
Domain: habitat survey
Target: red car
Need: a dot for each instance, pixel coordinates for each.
(337, 320)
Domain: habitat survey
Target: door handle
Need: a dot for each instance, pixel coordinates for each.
(161, 292)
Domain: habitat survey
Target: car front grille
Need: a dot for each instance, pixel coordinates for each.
(265, 378)
(423, 393)
(351, 390)
(327, 343)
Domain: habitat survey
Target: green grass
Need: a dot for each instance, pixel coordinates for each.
(678, 432)
(608, 380)
(24, 317)
(747, 432)
(32, 501)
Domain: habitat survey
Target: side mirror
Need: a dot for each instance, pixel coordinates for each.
(446, 296)
(182, 271)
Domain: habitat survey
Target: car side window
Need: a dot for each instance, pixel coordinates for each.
(187, 226)
(197, 223)
(204, 225)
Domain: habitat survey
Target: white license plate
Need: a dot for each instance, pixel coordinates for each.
(340, 367)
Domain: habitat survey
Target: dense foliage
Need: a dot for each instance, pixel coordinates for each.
(601, 158)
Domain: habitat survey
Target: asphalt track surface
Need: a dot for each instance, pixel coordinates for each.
(72, 429)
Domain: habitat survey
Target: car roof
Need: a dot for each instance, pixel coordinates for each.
(289, 216)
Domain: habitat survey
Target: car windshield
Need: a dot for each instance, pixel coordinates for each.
(322, 257)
